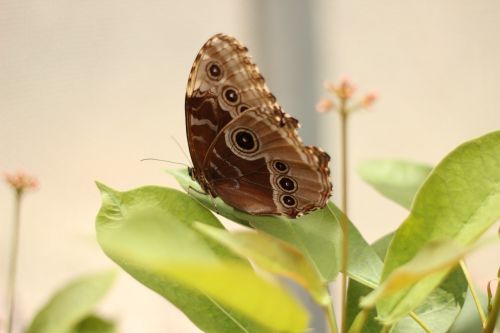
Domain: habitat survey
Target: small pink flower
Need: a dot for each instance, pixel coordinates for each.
(346, 88)
(343, 97)
(21, 181)
(369, 100)
(325, 105)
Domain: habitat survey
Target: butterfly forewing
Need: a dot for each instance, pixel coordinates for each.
(223, 83)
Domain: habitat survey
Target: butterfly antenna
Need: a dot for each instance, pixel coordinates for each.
(182, 150)
(166, 161)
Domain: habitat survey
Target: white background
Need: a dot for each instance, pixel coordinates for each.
(87, 88)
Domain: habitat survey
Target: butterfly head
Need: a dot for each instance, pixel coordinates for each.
(191, 172)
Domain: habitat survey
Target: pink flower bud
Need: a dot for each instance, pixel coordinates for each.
(324, 105)
(346, 88)
(21, 181)
(369, 100)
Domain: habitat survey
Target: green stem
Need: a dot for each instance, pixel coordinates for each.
(11, 282)
(473, 292)
(343, 219)
(495, 310)
(343, 156)
(385, 329)
(359, 321)
(330, 318)
(419, 321)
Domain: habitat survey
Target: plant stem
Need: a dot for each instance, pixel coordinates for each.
(359, 321)
(343, 220)
(385, 329)
(419, 321)
(330, 317)
(343, 155)
(11, 282)
(473, 292)
(495, 311)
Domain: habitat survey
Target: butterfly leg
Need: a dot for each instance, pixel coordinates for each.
(214, 204)
(212, 199)
(190, 188)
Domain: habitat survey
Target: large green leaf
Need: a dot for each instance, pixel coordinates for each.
(149, 233)
(94, 324)
(317, 235)
(459, 200)
(72, 304)
(469, 321)
(275, 256)
(435, 257)
(398, 180)
(356, 290)
(438, 311)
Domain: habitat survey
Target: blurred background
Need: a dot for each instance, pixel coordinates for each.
(88, 88)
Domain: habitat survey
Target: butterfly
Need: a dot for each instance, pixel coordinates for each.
(244, 148)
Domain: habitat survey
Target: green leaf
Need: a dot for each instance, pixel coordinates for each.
(459, 200)
(468, 321)
(441, 307)
(94, 324)
(319, 241)
(317, 235)
(438, 311)
(434, 258)
(356, 290)
(149, 233)
(72, 304)
(275, 256)
(396, 179)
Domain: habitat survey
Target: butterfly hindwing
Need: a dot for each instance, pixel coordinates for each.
(258, 165)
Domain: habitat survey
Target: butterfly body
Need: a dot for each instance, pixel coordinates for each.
(244, 148)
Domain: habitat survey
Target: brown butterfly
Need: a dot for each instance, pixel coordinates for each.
(244, 148)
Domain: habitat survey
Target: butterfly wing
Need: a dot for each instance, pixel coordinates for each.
(223, 83)
(258, 164)
(227, 94)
